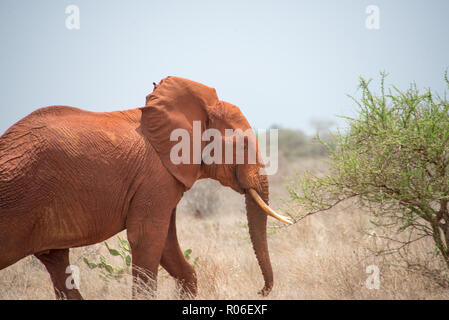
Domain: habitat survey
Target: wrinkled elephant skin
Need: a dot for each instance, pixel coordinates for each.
(71, 178)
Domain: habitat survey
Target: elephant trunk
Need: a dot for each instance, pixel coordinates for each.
(257, 225)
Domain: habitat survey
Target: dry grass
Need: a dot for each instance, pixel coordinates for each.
(323, 257)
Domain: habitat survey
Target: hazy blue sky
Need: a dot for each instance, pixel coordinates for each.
(283, 62)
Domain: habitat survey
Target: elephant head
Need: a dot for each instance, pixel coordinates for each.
(180, 104)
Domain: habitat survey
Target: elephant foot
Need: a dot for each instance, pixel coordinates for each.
(187, 288)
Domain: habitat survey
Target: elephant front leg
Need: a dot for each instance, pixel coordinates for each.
(147, 239)
(175, 263)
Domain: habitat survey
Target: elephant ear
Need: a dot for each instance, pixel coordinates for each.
(175, 104)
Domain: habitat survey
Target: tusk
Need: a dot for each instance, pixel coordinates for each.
(266, 208)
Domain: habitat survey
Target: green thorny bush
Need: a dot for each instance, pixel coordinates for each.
(109, 271)
(394, 160)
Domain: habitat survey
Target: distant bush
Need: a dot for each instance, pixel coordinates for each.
(204, 199)
(208, 198)
(294, 143)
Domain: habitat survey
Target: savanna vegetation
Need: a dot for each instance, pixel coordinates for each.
(393, 159)
(369, 201)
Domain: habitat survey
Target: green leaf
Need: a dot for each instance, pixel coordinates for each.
(119, 270)
(187, 253)
(91, 265)
(124, 244)
(195, 262)
(112, 251)
(109, 268)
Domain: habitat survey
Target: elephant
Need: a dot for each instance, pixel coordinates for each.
(72, 178)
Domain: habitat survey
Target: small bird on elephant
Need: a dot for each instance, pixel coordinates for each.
(72, 178)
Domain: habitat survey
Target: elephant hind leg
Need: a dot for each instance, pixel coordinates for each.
(175, 263)
(147, 239)
(56, 261)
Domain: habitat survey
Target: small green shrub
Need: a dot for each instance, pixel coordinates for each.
(394, 159)
(116, 272)
(294, 144)
(109, 271)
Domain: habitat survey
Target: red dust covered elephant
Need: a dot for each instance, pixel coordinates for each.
(71, 178)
